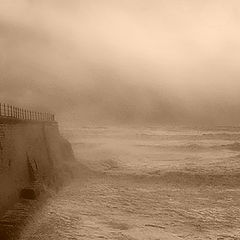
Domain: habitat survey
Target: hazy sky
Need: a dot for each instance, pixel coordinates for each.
(131, 61)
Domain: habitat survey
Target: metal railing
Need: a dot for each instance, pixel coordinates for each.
(12, 112)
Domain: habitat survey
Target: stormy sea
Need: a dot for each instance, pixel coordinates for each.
(157, 183)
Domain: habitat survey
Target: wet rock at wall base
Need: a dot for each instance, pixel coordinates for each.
(29, 193)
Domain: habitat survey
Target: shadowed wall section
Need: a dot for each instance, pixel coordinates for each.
(30, 154)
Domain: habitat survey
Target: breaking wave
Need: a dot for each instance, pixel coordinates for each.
(187, 147)
(232, 146)
(235, 146)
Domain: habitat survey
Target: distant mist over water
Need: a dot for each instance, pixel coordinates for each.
(138, 62)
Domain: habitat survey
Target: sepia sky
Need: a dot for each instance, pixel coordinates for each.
(128, 61)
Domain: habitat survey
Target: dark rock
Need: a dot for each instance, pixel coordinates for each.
(29, 193)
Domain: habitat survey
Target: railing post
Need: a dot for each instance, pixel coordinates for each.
(4, 110)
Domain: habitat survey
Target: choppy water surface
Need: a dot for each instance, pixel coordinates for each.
(155, 183)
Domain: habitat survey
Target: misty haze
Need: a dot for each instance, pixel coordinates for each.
(120, 119)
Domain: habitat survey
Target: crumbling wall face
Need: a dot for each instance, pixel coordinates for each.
(13, 170)
(28, 152)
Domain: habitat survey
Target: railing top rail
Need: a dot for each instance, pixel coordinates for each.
(13, 112)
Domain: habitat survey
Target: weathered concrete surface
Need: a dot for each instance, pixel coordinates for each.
(32, 156)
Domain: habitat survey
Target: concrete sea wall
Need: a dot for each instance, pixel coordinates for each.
(31, 154)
